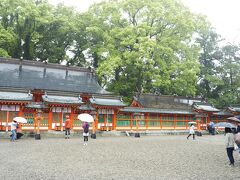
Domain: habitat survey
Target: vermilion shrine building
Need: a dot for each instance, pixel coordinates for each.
(27, 86)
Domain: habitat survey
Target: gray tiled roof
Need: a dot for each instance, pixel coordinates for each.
(36, 105)
(16, 96)
(205, 107)
(107, 102)
(62, 99)
(152, 110)
(223, 113)
(86, 107)
(165, 102)
(36, 75)
(235, 108)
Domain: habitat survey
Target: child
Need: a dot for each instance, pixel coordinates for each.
(85, 127)
(191, 132)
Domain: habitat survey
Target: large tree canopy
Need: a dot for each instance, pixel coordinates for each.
(144, 46)
(150, 46)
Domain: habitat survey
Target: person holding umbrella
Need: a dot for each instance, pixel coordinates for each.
(86, 118)
(229, 144)
(85, 127)
(191, 131)
(237, 137)
(13, 130)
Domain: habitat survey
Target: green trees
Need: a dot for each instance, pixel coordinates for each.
(228, 91)
(145, 46)
(39, 30)
(150, 46)
(219, 76)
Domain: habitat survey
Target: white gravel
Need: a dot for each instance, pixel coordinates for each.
(117, 158)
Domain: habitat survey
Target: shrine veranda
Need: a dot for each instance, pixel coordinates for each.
(32, 88)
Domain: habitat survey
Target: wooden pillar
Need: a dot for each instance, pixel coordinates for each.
(186, 119)
(35, 121)
(72, 117)
(96, 121)
(161, 121)
(61, 120)
(114, 120)
(20, 113)
(198, 125)
(50, 116)
(38, 125)
(7, 121)
(137, 123)
(104, 120)
(131, 120)
(147, 120)
(174, 121)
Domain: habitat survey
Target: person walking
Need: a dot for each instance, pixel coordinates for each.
(212, 128)
(85, 127)
(13, 130)
(229, 144)
(67, 127)
(237, 137)
(191, 131)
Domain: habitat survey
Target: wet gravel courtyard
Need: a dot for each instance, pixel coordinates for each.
(117, 158)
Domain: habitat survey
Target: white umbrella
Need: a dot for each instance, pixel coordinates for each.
(20, 119)
(192, 122)
(85, 117)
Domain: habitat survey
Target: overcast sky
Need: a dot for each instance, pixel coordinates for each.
(223, 14)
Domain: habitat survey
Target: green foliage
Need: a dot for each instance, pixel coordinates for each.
(143, 46)
(147, 46)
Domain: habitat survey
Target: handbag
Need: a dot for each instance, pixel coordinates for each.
(235, 147)
(237, 138)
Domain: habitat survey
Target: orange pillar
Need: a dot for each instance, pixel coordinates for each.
(50, 115)
(61, 121)
(147, 120)
(7, 120)
(35, 121)
(174, 120)
(20, 113)
(96, 121)
(131, 120)
(114, 120)
(160, 121)
(198, 125)
(72, 117)
(186, 121)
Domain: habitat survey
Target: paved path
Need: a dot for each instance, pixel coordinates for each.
(118, 158)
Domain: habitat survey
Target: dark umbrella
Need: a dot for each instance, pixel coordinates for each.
(234, 119)
(225, 124)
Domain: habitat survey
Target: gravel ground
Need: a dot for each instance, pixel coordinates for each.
(117, 158)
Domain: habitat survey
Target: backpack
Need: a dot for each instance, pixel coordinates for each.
(86, 128)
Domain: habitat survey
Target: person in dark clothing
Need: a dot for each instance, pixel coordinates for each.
(85, 127)
(229, 145)
(237, 137)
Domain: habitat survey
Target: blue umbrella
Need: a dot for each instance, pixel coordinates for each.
(234, 119)
(225, 124)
